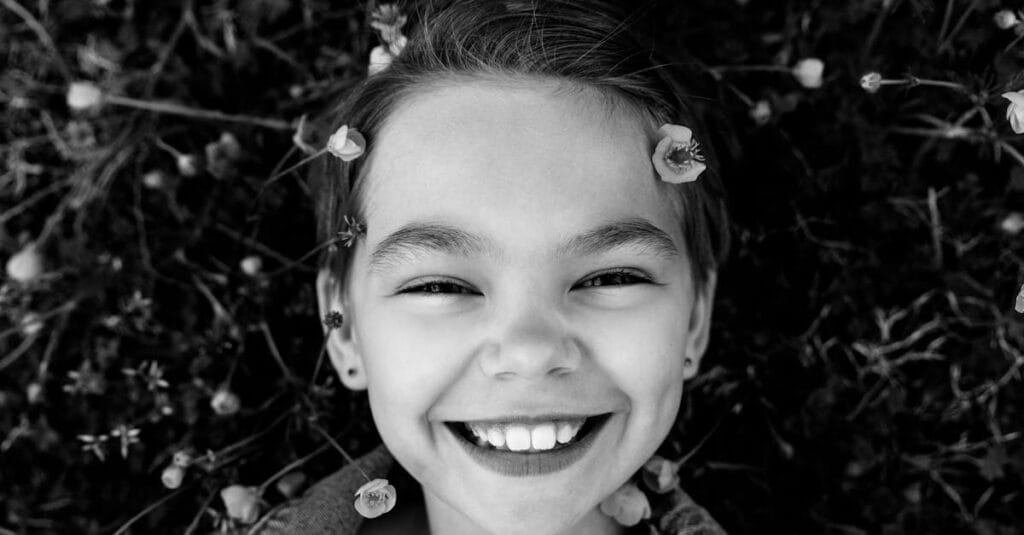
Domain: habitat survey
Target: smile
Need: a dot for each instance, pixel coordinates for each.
(523, 449)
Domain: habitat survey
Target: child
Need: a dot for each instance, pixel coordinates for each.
(531, 244)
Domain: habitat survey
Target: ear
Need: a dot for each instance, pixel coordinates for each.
(700, 326)
(341, 344)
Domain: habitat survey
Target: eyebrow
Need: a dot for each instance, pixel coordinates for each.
(431, 237)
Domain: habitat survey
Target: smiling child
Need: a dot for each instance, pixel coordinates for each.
(531, 275)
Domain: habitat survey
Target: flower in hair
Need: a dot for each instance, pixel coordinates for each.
(346, 143)
(388, 19)
(677, 157)
(628, 505)
(351, 231)
(375, 498)
(660, 474)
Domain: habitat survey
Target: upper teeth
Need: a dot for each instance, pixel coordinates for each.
(522, 437)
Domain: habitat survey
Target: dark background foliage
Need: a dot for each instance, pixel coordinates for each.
(864, 374)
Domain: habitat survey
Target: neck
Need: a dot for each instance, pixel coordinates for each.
(443, 520)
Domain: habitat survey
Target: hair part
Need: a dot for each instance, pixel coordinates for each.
(583, 46)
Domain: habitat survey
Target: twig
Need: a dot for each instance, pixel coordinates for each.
(265, 329)
(151, 507)
(41, 33)
(936, 226)
(340, 449)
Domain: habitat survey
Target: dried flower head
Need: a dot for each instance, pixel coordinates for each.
(225, 402)
(628, 505)
(871, 82)
(677, 157)
(351, 229)
(375, 498)
(346, 143)
(334, 320)
(26, 265)
(388, 20)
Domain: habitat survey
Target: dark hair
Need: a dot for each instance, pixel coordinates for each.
(582, 45)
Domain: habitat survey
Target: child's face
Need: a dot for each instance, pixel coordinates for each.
(511, 311)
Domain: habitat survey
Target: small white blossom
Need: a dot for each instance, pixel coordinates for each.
(871, 82)
(1012, 224)
(251, 265)
(346, 143)
(172, 476)
(242, 503)
(1006, 19)
(225, 402)
(26, 265)
(1015, 110)
(380, 58)
(808, 72)
(83, 96)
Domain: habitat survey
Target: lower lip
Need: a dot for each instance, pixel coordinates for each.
(520, 464)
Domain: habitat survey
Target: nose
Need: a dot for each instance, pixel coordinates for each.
(532, 342)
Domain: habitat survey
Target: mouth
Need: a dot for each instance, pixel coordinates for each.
(528, 448)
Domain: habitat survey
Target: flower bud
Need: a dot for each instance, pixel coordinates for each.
(172, 476)
(375, 498)
(83, 96)
(1015, 110)
(660, 475)
(761, 112)
(1012, 224)
(290, 484)
(188, 164)
(346, 143)
(242, 503)
(1019, 305)
(628, 505)
(251, 265)
(808, 72)
(225, 402)
(26, 265)
(871, 82)
(1006, 19)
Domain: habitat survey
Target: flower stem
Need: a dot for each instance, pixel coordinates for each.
(185, 111)
(341, 450)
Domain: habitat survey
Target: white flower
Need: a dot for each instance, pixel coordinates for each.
(225, 402)
(172, 476)
(251, 265)
(628, 505)
(375, 498)
(1006, 19)
(25, 265)
(808, 72)
(1013, 223)
(346, 143)
(83, 96)
(1015, 111)
(761, 112)
(871, 81)
(242, 503)
(380, 58)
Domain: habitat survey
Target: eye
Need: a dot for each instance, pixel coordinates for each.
(619, 277)
(437, 287)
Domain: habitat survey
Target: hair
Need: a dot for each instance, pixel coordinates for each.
(586, 46)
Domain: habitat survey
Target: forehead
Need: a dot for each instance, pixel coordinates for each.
(519, 162)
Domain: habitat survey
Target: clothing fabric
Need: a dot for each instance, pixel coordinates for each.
(326, 508)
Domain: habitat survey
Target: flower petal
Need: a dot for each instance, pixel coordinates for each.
(1016, 97)
(680, 134)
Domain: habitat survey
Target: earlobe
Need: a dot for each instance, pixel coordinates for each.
(700, 327)
(340, 345)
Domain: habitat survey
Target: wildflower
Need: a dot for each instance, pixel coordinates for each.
(808, 72)
(171, 476)
(225, 402)
(83, 96)
(127, 436)
(242, 503)
(94, 444)
(388, 20)
(153, 180)
(380, 59)
(375, 498)
(660, 475)
(351, 231)
(1019, 305)
(628, 505)
(1006, 19)
(31, 323)
(871, 81)
(761, 112)
(677, 157)
(290, 484)
(1013, 223)
(1015, 110)
(346, 143)
(251, 265)
(334, 320)
(25, 265)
